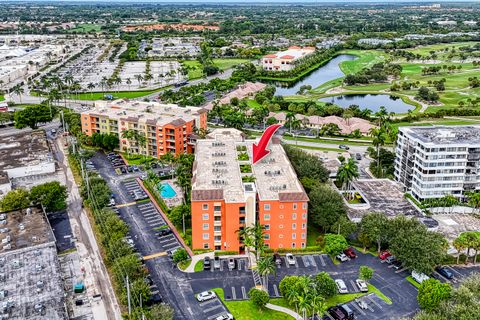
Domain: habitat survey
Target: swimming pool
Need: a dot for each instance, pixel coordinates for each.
(167, 191)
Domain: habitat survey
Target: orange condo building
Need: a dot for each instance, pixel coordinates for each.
(166, 127)
(224, 200)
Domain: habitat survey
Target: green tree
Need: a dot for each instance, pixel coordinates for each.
(265, 267)
(374, 227)
(326, 207)
(180, 255)
(344, 226)
(15, 199)
(335, 243)
(31, 116)
(347, 172)
(161, 311)
(431, 293)
(365, 273)
(258, 297)
(325, 285)
(52, 195)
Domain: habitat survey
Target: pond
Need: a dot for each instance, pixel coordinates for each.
(371, 101)
(327, 72)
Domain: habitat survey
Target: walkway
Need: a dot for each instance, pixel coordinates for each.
(198, 257)
(284, 310)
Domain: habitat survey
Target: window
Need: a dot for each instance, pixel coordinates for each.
(280, 236)
(294, 206)
(218, 247)
(217, 208)
(280, 226)
(217, 228)
(205, 226)
(267, 227)
(280, 245)
(266, 236)
(294, 236)
(304, 205)
(206, 236)
(304, 216)
(205, 246)
(266, 207)
(205, 216)
(281, 206)
(304, 225)
(303, 244)
(205, 206)
(266, 217)
(303, 235)
(218, 238)
(294, 216)
(293, 244)
(294, 226)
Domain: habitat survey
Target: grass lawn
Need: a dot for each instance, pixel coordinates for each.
(412, 281)
(366, 58)
(199, 266)
(86, 27)
(337, 142)
(195, 69)
(312, 234)
(116, 95)
(184, 264)
(2, 97)
(136, 159)
(318, 148)
(253, 104)
(245, 310)
(379, 293)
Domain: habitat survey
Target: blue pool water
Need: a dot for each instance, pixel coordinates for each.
(167, 191)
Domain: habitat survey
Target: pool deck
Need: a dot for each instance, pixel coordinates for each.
(177, 199)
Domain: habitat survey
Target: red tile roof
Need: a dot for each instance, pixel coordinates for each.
(287, 56)
(292, 196)
(203, 195)
(294, 47)
(270, 56)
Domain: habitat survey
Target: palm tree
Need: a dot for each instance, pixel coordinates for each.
(304, 305)
(103, 83)
(378, 135)
(245, 236)
(265, 267)
(18, 90)
(318, 306)
(139, 78)
(129, 135)
(347, 172)
(128, 81)
(459, 244)
(90, 87)
(474, 200)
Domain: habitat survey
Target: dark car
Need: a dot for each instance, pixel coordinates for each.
(207, 265)
(154, 165)
(397, 265)
(349, 252)
(337, 313)
(276, 259)
(123, 170)
(129, 169)
(358, 156)
(164, 232)
(445, 272)
(154, 299)
(347, 311)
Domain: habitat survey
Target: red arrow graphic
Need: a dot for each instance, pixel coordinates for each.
(260, 150)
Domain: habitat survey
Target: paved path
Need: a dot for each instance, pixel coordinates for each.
(284, 310)
(198, 257)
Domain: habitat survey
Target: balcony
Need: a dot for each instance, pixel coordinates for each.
(217, 223)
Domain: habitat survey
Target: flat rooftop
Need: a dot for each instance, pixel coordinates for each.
(29, 268)
(469, 135)
(384, 196)
(292, 52)
(24, 228)
(24, 149)
(152, 113)
(218, 171)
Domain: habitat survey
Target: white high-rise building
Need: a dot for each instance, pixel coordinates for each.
(432, 162)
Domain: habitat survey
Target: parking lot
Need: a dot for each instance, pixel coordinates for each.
(212, 308)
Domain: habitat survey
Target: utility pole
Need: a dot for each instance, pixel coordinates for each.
(63, 120)
(128, 296)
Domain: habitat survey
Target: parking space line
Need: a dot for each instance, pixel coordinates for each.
(305, 262)
(204, 303)
(213, 308)
(323, 261)
(312, 261)
(374, 302)
(170, 238)
(156, 224)
(455, 271)
(169, 246)
(240, 264)
(358, 308)
(354, 286)
(216, 315)
(234, 294)
(244, 293)
(155, 255)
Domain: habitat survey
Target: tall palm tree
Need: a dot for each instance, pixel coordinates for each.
(378, 135)
(474, 200)
(245, 236)
(128, 81)
(90, 87)
(319, 307)
(265, 267)
(347, 172)
(130, 136)
(459, 244)
(18, 90)
(304, 305)
(139, 78)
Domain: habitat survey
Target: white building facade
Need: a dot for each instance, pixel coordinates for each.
(432, 162)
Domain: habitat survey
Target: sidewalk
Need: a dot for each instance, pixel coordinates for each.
(284, 310)
(196, 258)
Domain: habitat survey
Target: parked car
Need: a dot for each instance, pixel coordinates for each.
(129, 169)
(206, 263)
(225, 316)
(347, 311)
(342, 288)
(361, 303)
(384, 255)
(390, 259)
(342, 257)
(123, 170)
(337, 313)
(419, 277)
(164, 232)
(277, 259)
(206, 295)
(397, 265)
(112, 202)
(344, 147)
(216, 263)
(231, 263)
(290, 259)
(445, 272)
(362, 285)
(350, 253)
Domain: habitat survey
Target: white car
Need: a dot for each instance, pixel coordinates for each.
(362, 285)
(342, 257)
(342, 288)
(225, 316)
(206, 295)
(290, 259)
(419, 277)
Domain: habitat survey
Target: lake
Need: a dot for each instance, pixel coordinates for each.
(370, 101)
(327, 72)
